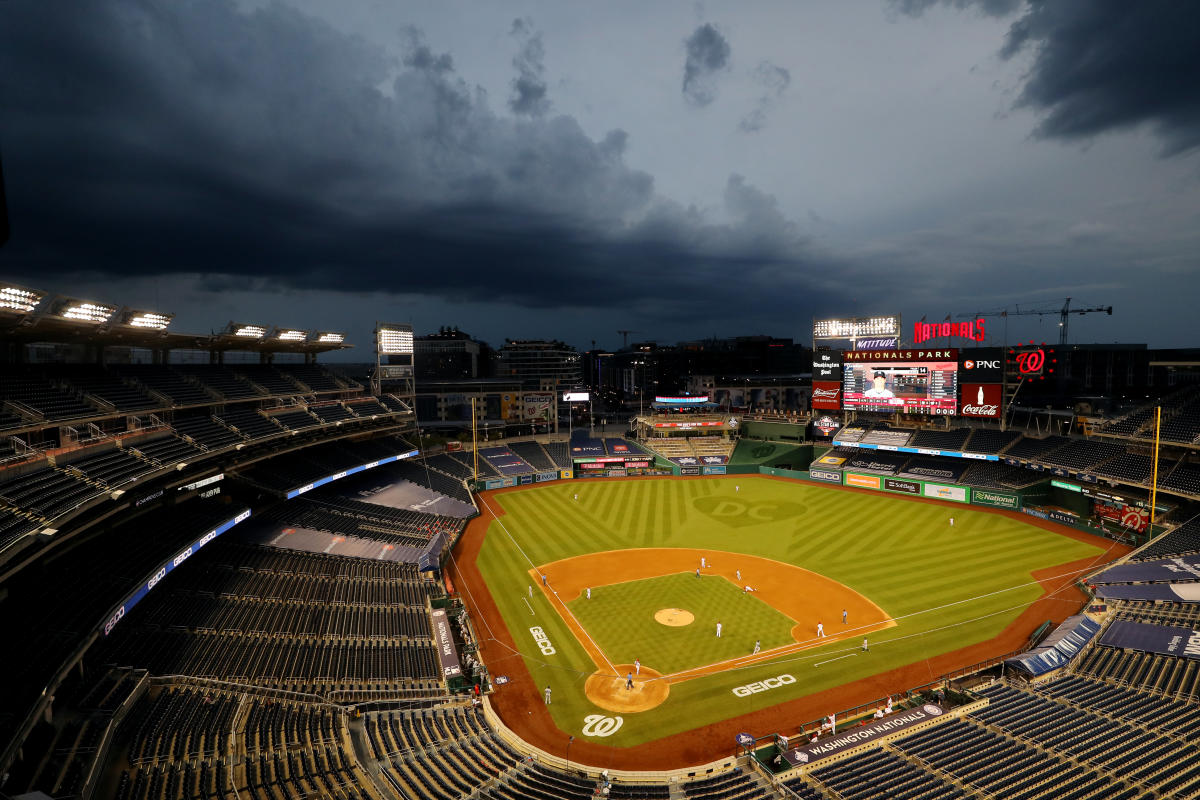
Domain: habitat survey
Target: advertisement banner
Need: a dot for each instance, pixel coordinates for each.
(981, 400)
(830, 461)
(989, 497)
(982, 365)
(1124, 515)
(897, 485)
(547, 476)
(443, 640)
(714, 470)
(134, 597)
(1171, 640)
(826, 425)
(827, 395)
(689, 470)
(565, 474)
(827, 366)
(1066, 518)
(871, 731)
(862, 481)
(825, 475)
(957, 494)
(522, 480)
(537, 406)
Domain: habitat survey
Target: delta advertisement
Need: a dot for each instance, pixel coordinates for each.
(938, 491)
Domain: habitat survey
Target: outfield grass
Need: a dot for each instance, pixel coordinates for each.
(947, 587)
(620, 619)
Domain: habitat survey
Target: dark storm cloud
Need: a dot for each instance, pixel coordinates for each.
(148, 139)
(707, 56)
(774, 80)
(993, 8)
(1102, 65)
(529, 87)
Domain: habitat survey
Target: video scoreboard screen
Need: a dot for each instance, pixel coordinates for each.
(912, 387)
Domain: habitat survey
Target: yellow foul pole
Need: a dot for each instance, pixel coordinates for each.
(1154, 480)
(474, 443)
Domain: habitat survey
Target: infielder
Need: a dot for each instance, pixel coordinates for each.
(820, 630)
(757, 645)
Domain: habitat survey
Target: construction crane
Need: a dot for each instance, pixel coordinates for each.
(1063, 315)
(625, 338)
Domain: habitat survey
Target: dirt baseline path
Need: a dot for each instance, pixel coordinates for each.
(808, 598)
(519, 703)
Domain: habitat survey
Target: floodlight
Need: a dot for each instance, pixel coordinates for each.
(83, 310)
(290, 335)
(328, 337)
(248, 331)
(394, 339)
(147, 319)
(19, 299)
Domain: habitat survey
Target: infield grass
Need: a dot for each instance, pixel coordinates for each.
(620, 619)
(946, 587)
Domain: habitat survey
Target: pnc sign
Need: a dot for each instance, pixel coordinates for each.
(972, 329)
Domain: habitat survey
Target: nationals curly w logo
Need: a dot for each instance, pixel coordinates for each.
(1031, 361)
(600, 725)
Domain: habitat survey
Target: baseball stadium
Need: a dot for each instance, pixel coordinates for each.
(253, 574)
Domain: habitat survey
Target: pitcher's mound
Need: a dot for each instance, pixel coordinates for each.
(674, 617)
(649, 690)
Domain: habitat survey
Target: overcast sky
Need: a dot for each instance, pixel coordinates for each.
(567, 169)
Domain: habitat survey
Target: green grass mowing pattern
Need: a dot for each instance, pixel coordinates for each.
(620, 620)
(899, 553)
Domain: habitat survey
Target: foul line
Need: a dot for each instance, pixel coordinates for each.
(831, 660)
(529, 607)
(555, 596)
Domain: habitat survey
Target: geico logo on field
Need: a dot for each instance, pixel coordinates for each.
(763, 685)
(542, 641)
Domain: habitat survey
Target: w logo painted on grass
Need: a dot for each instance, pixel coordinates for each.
(600, 725)
(737, 513)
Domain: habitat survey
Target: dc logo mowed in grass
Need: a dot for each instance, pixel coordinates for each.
(637, 546)
(737, 512)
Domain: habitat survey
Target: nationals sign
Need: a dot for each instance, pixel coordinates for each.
(924, 331)
(981, 400)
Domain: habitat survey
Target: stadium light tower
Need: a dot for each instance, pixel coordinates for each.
(83, 311)
(18, 299)
(394, 360)
(145, 320)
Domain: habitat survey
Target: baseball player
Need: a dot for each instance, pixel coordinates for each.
(738, 572)
(820, 630)
(589, 594)
(757, 645)
(843, 616)
(547, 693)
(718, 630)
(637, 667)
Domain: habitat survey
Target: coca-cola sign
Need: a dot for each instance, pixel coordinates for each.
(981, 400)
(827, 395)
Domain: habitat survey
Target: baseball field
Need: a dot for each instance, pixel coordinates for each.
(610, 593)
